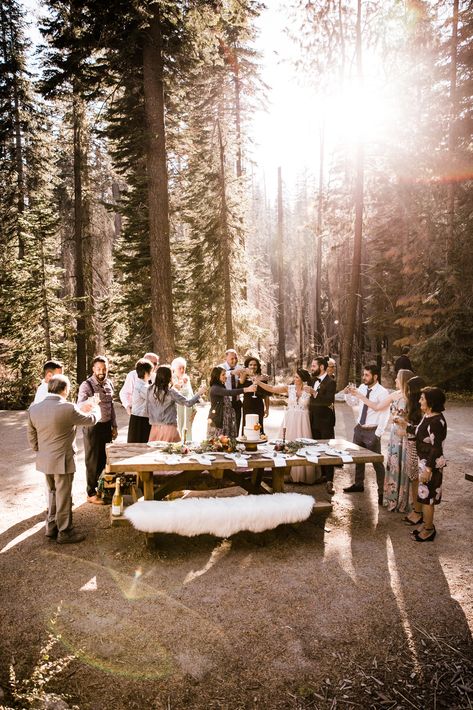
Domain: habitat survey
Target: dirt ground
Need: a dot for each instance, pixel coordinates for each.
(340, 612)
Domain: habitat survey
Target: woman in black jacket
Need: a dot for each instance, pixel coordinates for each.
(430, 434)
(222, 418)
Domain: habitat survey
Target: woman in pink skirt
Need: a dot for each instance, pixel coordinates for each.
(161, 403)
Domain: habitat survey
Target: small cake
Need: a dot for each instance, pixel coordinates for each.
(252, 428)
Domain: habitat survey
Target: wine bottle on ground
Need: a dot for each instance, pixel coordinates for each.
(117, 500)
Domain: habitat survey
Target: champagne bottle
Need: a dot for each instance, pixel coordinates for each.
(117, 500)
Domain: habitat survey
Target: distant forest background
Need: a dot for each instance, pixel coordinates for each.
(132, 219)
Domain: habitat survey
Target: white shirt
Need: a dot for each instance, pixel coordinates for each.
(374, 418)
(231, 371)
(140, 393)
(126, 392)
(41, 392)
(317, 384)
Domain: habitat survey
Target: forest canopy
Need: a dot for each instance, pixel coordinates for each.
(135, 213)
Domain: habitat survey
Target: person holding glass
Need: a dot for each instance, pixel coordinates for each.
(430, 434)
(181, 382)
(222, 416)
(256, 402)
(396, 481)
(296, 423)
(161, 406)
(414, 415)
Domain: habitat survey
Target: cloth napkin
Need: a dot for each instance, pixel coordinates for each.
(240, 461)
(279, 461)
(312, 458)
(173, 458)
(203, 460)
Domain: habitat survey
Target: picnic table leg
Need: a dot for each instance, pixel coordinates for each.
(278, 478)
(217, 473)
(148, 486)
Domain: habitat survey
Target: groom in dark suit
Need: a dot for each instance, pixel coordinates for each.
(322, 409)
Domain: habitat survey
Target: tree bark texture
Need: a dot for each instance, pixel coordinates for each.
(162, 319)
(225, 240)
(354, 295)
(318, 326)
(282, 362)
(81, 339)
(452, 132)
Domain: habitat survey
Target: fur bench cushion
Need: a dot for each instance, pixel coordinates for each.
(220, 516)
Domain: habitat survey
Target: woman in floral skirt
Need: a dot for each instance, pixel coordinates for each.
(430, 434)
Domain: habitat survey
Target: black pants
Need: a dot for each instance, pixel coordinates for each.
(138, 430)
(368, 440)
(95, 438)
(236, 404)
(322, 424)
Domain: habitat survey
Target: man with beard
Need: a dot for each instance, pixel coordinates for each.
(321, 410)
(100, 387)
(369, 428)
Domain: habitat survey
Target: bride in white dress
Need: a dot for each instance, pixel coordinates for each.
(296, 419)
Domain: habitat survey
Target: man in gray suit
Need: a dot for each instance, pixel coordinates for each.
(51, 433)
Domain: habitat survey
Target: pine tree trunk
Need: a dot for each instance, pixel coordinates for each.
(226, 251)
(19, 166)
(281, 357)
(44, 296)
(239, 169)
(452, 132)
(81, 340)
(350, 323)
(162, 319)
(318, 325)
(236, 80)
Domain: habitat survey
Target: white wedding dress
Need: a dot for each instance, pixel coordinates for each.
(297, 423)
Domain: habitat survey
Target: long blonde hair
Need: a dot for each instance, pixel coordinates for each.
(403, 376)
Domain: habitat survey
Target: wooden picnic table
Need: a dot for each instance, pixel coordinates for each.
(141, 459)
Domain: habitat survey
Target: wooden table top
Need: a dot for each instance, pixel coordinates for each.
(142, 457)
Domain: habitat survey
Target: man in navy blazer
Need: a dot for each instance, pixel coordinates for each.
(51, 433)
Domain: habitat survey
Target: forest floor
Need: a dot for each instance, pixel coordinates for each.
(341, 612)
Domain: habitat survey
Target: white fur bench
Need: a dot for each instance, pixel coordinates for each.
(221, 517)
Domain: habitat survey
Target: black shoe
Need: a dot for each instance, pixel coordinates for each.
(430, 537)
(51, 534)
(355, 488)
(408, 521)
(69, 537)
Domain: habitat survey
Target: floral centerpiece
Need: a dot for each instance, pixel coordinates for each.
(288, 447)
(221, 443)
(176, 448)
